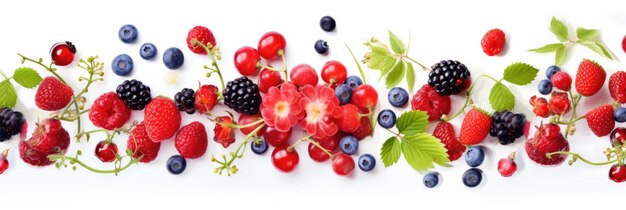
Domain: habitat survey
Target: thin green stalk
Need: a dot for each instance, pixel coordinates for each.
(357, 64)
(578, 156)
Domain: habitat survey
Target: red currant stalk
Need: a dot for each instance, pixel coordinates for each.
(615, 156)
(358, 65)
(342, 164)
(281, 53)
(215, 55)
(226, 164)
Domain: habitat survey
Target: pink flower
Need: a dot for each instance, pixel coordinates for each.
(321, 108)
(280, 107)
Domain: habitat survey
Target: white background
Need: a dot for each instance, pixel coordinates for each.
(439, 30)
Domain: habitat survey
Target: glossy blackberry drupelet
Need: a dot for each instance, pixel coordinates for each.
(134, 93)
(243, 96)
(449, 77)
(507, 126)
(10, 123)
(185, 100)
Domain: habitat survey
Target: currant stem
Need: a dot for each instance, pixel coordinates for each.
(282, 55)
(228, 164)
(84, 165)
(293, 146)
(416, 62)
(357, 63)
(573, 117)
(578, 156)
(231, 125)
(48, 68)
(317, 144)
(213, 60)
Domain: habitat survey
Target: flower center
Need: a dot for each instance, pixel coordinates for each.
(282, 109)
(314, 111)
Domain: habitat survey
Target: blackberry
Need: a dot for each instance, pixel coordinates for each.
(242, 95)
(134, 93)
(449, 77)
(507, 126)
(10, 123)
(185, 101)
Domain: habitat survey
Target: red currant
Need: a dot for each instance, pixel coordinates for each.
(271, 45)
(285, 160)
(106, 151)
(62, 53)
(275, 137)
(268, 79)
(333, 72)
(245, 119)
(302, 75)
(624, 44)
(507, 167)
(343, 164)
(365, 97)
(247, 60)
(617, 173)
(317, 154)
(4, 163)
(618, 136)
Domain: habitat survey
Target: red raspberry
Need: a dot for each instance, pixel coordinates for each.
(600, 120)
(364, 130)
(617, 86)
(109, 112)
(547, 139)
(48, 138)
(224, 134)
(559, 103)
(445, 133)
(350, 119)
(52, 94)
(203, 35)
(493, 42)
(141, 145)
(162, 119)
(192, 141)
(540, 106)
(206, 98)
(561, 80)
(429, 101)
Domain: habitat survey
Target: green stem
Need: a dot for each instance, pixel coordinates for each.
(416, 62)
(101, 171)
(4, 75)
(213, 60)
(228, 164)
(282, 55)
(317, 144)
(573, 117)
(246, 125)
(357, 64)
(48, 68)
(578, 156)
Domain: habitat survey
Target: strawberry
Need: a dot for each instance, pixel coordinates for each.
(547, 139)
(206, 98)
(561, 80)
(48, 138)
(364, 130)
(600, 120)
(191, 140)
(141, 145)
(617, 86)
(429, 101)
(204, 36)
(589, 78)
(475, 127)
(52, 94)
(161, 118)
(350, 120)
(445, 133)
(223, 133)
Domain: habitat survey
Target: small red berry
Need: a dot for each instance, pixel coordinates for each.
(559, 103)
(343, 164)
(246, 60)
(624, 44)
(365, 97)
(245, 119)
(333, 72)
(507, 166)
(540, 106)
(618, 136)
(285, 159)
(617, 173)
(317, 154)
(275, 137)
(303, 74)
(106, 151)
(203, 35)
(561, 80)
(4, 163)
(206, 98)
(62, 53)
(268, 79)
(271, 45)
(493, 42)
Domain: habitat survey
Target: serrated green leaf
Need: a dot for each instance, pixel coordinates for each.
(586, 34)
(520, 73)
(412, 122)
(559, 29)
(26, 77)
(560, 55)
(390, 153)
(501, 98)
(596, 47)
(422, 150)
(8, 96)
(410, 76)
(386, 69)
(547, 48)
(396, 75)
(396, 43)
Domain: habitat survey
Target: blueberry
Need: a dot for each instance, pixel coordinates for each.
(173, 58)
(128, 33)
(343, 93)
(367, 162)
(176, 164)
(551, 71)
(398, 97)
(328, 23)
(321, 47)
(353, 81)
(474, 156)
(148, 51)
(545, 87)
(472, 177)
(431, 179)
(620, 114)
(122, 65)
(349, 145)
(386, 118)
(259, 147)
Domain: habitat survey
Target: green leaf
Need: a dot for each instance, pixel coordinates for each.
(8, 96)
(560, 55)
(396, 75)
(26, 77)
(559, 29)
(422, 149)
(412, 122)
(396, 44)
(390, 153)
(410, 76)
(596, 47)
(520, 73)
(586, 34)
(547, 48)
(501, 98)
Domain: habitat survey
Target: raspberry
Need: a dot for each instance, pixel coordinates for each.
(134, 93)
(493, 42)
(161, 118)
(185, 100)
(547, 139)
(507, 126)
(192, 141)
(350, 120)
(242, 95)
(204, 36)
(109, 112)
(617, 86)
(141, 145)
(449, 77)
(364, 130)
(445, 133)
(561, 80)
(427, 100)
(206, 98)
(559, 103)
(10, 123)
(48, 138)
(53, 94)
(540, 106)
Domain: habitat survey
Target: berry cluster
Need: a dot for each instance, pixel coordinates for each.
(507, 126)
(10, 123)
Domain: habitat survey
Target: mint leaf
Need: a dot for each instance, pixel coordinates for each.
(422, 149)
(8, 96)
(501, 98)
(559, 29)
(547, 48)
(412, 122)
(410, 76)
(520, 73)
(26, 77)
(596, 47)
(396, 44)
(396, 75)
(390, 153)
(586, 34)
(560, 55)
